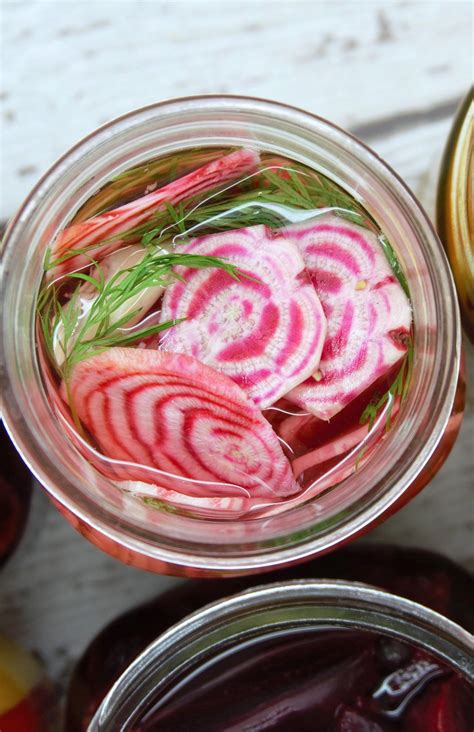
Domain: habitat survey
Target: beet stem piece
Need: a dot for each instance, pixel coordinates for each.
(90, 235)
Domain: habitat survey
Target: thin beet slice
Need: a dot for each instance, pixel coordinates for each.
(265, 331)
(204, 504)
(172, 413)
(335, 447)
(113, 223)
(304, 432)
(368, 313)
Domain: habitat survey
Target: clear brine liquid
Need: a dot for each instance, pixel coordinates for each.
(100, 293)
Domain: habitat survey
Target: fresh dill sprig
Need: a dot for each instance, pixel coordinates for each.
(265, 197)
(310, 190)
(398, 389)
(156, 503)
(163, 505)
(78, 336)
(394, 263)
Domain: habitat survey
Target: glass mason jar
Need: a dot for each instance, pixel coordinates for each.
(403, 462)
(16, 483)
(455, 207)
(418, 575)
(274, 612)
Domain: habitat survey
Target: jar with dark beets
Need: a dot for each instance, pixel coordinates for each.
(15, 495)
(28, 699)
(373, 661)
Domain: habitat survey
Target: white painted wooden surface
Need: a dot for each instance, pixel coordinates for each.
(392, 72)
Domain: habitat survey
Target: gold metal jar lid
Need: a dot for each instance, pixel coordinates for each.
(454, 208)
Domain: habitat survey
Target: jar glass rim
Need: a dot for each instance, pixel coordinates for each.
(112, 528)
(262, 612)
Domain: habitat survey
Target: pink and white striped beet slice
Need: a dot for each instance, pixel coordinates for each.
(367, 311)
(95, 230)
(266, 333)
(173, 414)
(214, 506)
(329, 465)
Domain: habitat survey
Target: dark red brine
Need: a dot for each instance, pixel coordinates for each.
(367, 660)
(224, 332)
(326, 681)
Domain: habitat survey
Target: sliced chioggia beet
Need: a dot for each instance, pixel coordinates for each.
(367, 311)
(265, 329)
(341, 444)
(170, 413)
(154, 495)
(298, 430)
(110, 267)
(95, 233)
(306, 433)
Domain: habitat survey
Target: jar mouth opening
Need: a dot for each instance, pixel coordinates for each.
(264, 612)
(281, 124)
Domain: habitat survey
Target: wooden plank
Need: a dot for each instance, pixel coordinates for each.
(72, 67)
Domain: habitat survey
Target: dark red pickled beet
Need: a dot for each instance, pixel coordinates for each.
(419, 575)
(326, 681)
(310, 432)
(447, 706)
(349, 719)
(294, 683)
(15, 494)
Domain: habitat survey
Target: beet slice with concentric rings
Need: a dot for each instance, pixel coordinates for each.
(265, 329)
(367, 311)
(172, 413)
(113, 223)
